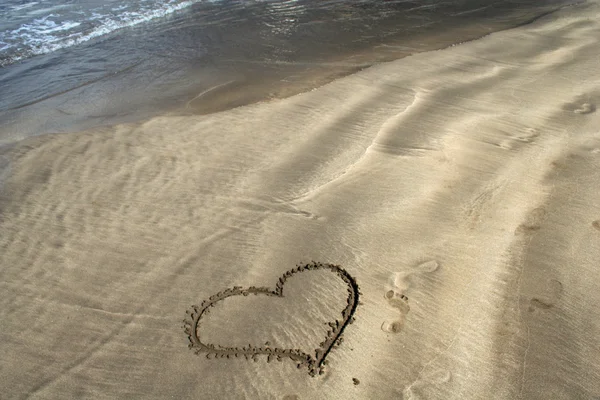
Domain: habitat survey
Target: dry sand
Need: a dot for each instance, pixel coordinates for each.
(466, 180)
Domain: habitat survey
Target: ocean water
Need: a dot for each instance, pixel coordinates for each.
(72, 64)
(31, 28)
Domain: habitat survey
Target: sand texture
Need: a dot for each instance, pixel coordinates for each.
(453, 198)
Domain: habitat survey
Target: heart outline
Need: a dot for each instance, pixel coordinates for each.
(316, 364)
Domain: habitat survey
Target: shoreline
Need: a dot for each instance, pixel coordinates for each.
(266, 81)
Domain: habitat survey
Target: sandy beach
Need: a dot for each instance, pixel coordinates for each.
(459, 188)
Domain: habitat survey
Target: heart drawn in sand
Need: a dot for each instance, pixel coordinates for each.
(315, 363)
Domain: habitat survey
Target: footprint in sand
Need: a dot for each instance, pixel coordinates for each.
(585, 108)
(428, 266)
(526, 136)
(400, 302)
(397, 300)
(539, 304)
(398, 283)
(392, 326)
(580, 107)
(549, 298)
(533, 221)
(432, 379)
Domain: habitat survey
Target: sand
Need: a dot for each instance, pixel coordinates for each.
(459, 188)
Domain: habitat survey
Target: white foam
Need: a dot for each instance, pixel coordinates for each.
(54, 31)
(24, 6)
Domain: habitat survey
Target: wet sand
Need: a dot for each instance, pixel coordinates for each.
(458, 188)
